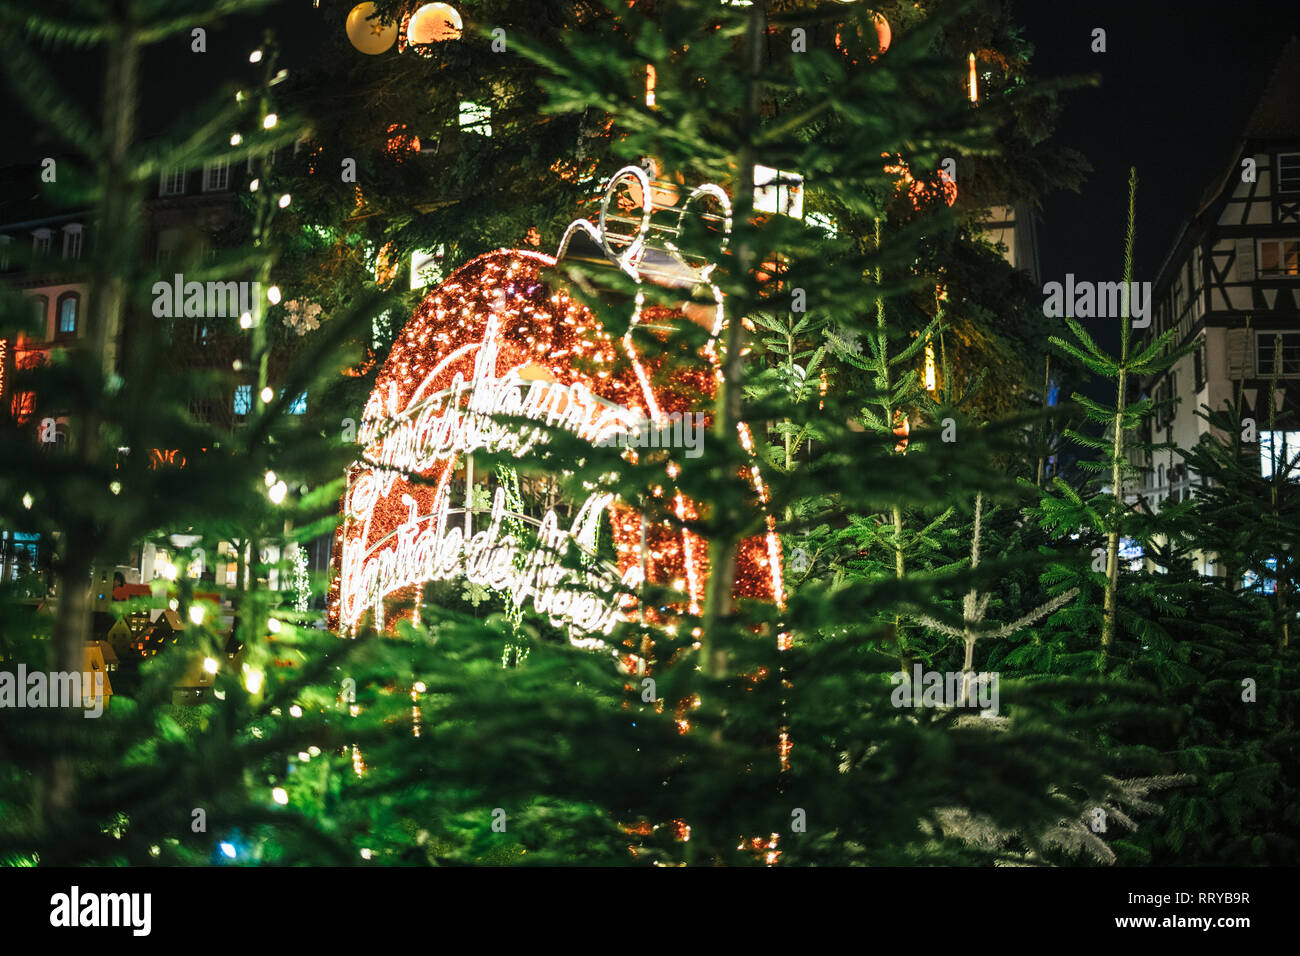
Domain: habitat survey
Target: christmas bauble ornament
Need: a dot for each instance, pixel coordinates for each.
(367, 35)
(433, 23)
(501, 337)
(884, 36)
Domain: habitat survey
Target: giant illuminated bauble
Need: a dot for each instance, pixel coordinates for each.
(434, 23)
(884, 36)
(500, 337)
(369, 36)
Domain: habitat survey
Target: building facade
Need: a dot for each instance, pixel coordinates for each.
(1230, 286)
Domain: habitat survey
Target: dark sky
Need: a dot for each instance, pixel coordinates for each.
(1177, 83)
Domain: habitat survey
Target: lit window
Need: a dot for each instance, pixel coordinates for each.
(216, 175)
(426, 267)
(1279, 257)
(475, 118)
(1279, 450)
(823, 223)
(172, 183)
(778, 191)
(243, 399)
(69, 306)
(298, 406)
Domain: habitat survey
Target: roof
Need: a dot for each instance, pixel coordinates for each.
(1275, 115)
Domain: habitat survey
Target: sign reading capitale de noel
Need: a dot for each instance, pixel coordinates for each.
(424, 436)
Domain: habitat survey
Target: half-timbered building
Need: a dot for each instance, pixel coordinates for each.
(1231, 285)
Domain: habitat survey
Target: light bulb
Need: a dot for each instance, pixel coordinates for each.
(252, 187)
(278, 492)
(273, 625)
(284, 200)
(280, 796)
(270, 121)
(235, 139)
(245, 322)
(255, 56)
(209, 663)
(196, 615)
(270, 479)
(273, 295)
(267, 394)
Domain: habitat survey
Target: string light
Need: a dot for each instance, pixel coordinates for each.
(492, 320)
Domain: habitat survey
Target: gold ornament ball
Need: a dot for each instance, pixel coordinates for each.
(369, 36)
(434, 23)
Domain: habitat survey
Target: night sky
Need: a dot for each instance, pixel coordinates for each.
(1177, 82)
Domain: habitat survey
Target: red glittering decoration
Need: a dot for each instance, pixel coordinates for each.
(540, 334)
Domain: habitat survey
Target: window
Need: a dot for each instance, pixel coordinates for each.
(298, 406)
(778, 191)
(476, 118)
(67, 315)
(1198, 363)
(216, 175)
(243, 399)
(1279, 450)
(4, 252)
(72, 241)
(1288, 172)
(41, 242)
(1266, 358)
(41, 306)
(172, 183)
(1279, 257)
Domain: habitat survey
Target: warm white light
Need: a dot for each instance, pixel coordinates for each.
(252, 679)
(174, 604)
(273, 295)
(196, 615)
(169, 572)
(235, 139)
(278, 491)
(270, 479)
(295, 711)
(267, 394)
(245, 322)
(255, 56)
(252, 187)
(304, 756)
(270, 121)
(365, 854)
(115, 487)
(209, 663)
(419, 687)
(280, 796)
(284, 200)
(228, 850)
(27, 502)
(314, 750)
(273, 625)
